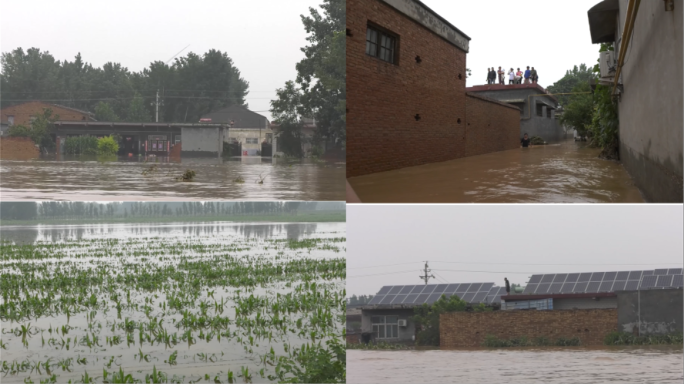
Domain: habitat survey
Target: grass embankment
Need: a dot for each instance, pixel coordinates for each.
(623, 338)
(494, 342)
(310, 217)
(613, 338)
(379, 346)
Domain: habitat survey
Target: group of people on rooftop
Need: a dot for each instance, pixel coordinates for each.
(514, 77)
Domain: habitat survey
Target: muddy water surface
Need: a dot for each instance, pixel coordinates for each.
(86, 178)
(562, 173)
(618, 365)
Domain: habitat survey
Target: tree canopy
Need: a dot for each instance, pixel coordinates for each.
(567, 83)
(191, 86)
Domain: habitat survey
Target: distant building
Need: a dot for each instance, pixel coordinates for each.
(537, 108)
(25, 113)
(247, 129)
(649, 89)
(306, 134)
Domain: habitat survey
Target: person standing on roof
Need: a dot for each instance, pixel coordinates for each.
(511, 77)
(518, 76)
(492, 76)
(489, 74)
(534, 76)
(527, 75)
(501, 73)
(508, 286)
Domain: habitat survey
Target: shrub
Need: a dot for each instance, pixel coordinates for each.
(107, 146)
(81, 145)
(624, 338)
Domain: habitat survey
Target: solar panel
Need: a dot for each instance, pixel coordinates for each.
(567, 287)
(572, 278)
(674, 271)
(609, 276)
(648, 282)
(584, 277)
(597, 276)
(468, 297)
(441, 288)
(619, 286)
(452, 288)
(648, 273)
(659, 272)
(376, 299)
(555, 288)
(486, 287)
(411, 298)
(433, 297)
(635, 275)
(422, 298)
(622, 275)
(417, 288)
(535, 279)
(399, 299)
(396, 289)
(542, 288)
(384, 290)
(560, 278)
(463, 287)
(677, 281)
(530, 288)
(480, 297)
(632, 285)
(547, 278)
(429, 289)
(664, 281)
(580, 287)
(387, 299)
(606, 286)
(593, 287)
(406, 290)
(474, 287)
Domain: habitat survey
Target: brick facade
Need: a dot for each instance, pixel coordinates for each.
(468, 329)
(491, 126)
(23, 112)
(383, 99)
(18, 148)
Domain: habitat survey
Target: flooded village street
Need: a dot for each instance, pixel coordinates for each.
(577, 365)
(89, 179)
(569, 172)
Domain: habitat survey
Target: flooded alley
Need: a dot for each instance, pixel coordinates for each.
(550, 365)
(225, 179)
(569, 172)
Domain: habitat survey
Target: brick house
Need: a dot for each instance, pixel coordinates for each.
(25, 113)
(407, 103)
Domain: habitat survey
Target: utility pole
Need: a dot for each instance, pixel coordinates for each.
(425, 276)
(156, 116)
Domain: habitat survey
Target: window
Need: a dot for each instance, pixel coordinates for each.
(10, 120)
(252, 140)
(381, 44)
(385, 327)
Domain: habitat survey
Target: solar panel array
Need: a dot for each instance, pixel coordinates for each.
(595, 282)
(428, 294)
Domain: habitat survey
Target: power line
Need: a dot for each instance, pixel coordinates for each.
(378, 274)
(386, 265)
(497, 263)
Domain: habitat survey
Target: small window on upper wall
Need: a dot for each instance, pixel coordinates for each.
(381, 44)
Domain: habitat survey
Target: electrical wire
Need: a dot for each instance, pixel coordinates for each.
(497, 263)
(378, 274)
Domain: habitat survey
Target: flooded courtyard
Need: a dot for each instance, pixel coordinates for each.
(569, 172)
(219, 302)
(246, 178)
(557, 366)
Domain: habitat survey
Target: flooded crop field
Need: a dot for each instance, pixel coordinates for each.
(562, 173)
(551, 365)
(253, 178)
(177, 303)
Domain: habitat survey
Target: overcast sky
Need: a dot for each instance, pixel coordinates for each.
(388, 244)
(263, 37)
(551, 36)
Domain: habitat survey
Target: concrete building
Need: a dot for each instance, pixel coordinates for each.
(156, 139)
(650, 89)
(406, 98)
(651, 312)
(537, 108)
(25, 113)
(250, 131)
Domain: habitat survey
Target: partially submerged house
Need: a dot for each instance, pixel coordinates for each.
(248, 132)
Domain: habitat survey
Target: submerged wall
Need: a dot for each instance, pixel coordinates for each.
(18, 148)
(201, 142)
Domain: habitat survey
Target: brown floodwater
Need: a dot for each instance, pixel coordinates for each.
(562, 173)
(86, 178)
(551, 365)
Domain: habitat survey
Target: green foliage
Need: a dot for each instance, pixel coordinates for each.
(572, 79)
(105, 112)
(287, 111)
(536, 140)
(579, 110)
(81, 145)
(190, 87)
(624, 338)
(39, 131)
(380, 346)
(107, 146)
(315, 363)
(426, 317)
(492, 341)
(604, 128)
(137, 111)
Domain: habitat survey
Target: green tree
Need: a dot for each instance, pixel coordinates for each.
(39, 131)
(137, 111)
(105, 112)
(426, 317)
(579, 109)
(287, 112)
(567, 83)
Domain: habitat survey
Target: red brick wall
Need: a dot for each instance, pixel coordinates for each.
(22, 113)
(468, 329)
(491, 126)
(353, 338)
(383, 98)
(18, 148)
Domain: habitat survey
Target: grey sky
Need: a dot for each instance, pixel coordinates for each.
(552, 36)
(263, 37)
(505, 238)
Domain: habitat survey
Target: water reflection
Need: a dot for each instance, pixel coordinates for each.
(58, 233)
(49, 178)
(564, 173)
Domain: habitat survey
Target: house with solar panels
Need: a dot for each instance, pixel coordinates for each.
(589, 290)
(388, 316)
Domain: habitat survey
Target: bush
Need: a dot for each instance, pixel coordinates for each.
(81, 145)
(107, 146)
(536, 140)
(624, 338)
(494, 342)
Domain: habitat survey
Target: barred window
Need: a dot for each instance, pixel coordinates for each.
(385, 327)
(381, 44)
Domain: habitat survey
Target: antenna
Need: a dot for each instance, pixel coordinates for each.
(167, 61)
(425, 276)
